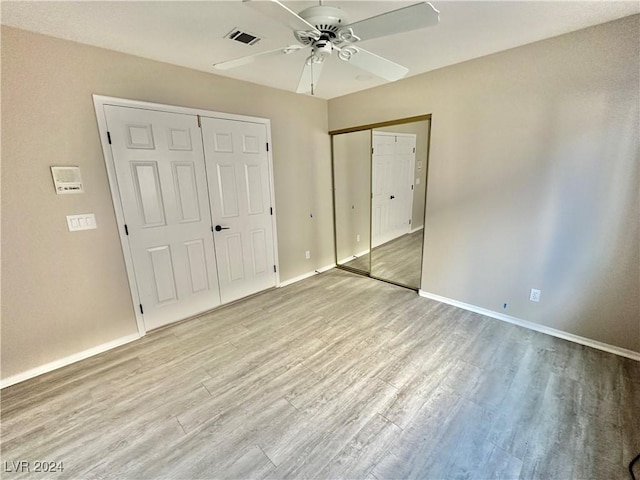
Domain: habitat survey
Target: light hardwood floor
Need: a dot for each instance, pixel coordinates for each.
(337, 376)
(399, 260)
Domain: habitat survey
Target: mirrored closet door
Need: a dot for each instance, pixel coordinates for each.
(380, 176)
(352, 199)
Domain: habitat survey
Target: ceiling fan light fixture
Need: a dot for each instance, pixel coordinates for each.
(347, 35)
(347, 52)
(322, 48)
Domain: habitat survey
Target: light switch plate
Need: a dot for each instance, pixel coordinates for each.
(85, 221)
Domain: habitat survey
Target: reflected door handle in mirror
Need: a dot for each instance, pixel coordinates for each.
(220, 227)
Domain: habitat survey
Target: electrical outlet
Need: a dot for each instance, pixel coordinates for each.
(357, 238)
(307, 254)
(535, 295)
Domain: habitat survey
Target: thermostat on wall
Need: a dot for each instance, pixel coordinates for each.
(67, 179)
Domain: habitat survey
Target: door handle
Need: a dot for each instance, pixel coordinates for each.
(219, 227)
(392, 197)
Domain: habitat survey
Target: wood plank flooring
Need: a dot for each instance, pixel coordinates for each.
(399, 260)
(337, 376)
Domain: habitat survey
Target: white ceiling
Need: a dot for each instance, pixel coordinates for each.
(191, 34)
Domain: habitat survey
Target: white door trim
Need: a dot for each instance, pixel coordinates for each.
(99, 102)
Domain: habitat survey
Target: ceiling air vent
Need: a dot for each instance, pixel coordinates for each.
(242, 36)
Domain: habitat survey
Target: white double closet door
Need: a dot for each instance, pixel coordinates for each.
(177, 182)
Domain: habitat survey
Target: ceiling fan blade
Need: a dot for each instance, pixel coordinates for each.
(282, 14)
(405, 19)
(309, 78)
(238, 62)
(372, 63)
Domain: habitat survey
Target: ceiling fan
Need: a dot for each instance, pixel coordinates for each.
(326, 29)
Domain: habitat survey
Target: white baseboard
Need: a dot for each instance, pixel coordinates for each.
(63, 362)
(353, 257)
(414, 230)
(623, 352)
(306, 275)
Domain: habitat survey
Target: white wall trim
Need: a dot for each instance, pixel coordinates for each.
(307, 275)
(353, 257)
(63, 362)
(99, 103)
(623, 352)
(414, 230)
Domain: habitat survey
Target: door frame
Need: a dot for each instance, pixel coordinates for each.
(99, 102)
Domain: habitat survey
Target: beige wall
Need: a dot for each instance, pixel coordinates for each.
(533, 182)
(533, 178)
(64, 292)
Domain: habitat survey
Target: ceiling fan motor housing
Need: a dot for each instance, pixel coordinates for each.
(328, 20)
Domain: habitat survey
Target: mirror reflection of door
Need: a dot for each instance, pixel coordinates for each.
(393, 159)
(399, 160)
(380, 176)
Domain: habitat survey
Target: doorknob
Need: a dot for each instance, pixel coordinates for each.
(392, 197)
(219, 227)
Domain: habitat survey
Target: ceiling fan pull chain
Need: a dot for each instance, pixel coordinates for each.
(312, 62)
